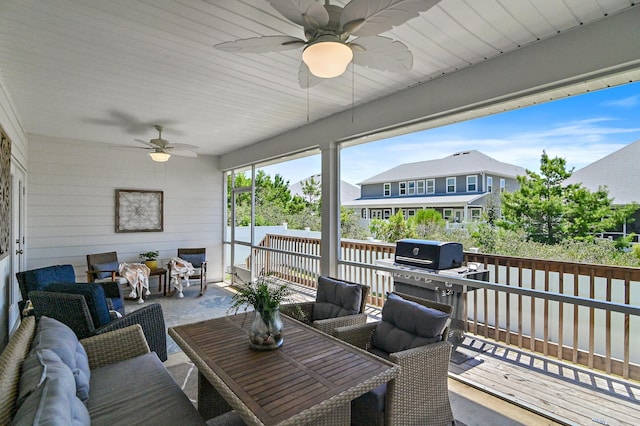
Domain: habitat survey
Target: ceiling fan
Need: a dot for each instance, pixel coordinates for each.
(160, 150)
(329, 31)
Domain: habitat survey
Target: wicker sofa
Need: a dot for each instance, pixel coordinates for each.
(120, 381)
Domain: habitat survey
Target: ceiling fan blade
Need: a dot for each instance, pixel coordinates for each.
(261, 44)
(305, 78)
(128, 147)
(381, 53)
(371, 17)
(183, 153)
(306, 13)
(181, 146)
(145, 143)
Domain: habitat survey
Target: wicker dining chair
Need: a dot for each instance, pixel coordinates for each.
(420, 395)
(338, 303)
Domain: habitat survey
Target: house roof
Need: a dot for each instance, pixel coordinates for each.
(618, 171)
(425, 201)
(348, 192)
(463, 162)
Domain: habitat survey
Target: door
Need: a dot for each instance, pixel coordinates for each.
(17, 239)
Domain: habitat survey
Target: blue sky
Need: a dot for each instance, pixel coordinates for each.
(580, 129)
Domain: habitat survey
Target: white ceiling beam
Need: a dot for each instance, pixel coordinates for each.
(605, 47)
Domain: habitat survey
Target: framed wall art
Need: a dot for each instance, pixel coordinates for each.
(139, 210)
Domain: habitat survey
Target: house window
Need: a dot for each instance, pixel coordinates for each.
(475, 214)
(447, 214)
(403, 188)
(376, 214)
(364, 213)
(411, 187)
(472, 183)
(431, 186)
(503, 185)
(411, 212)
(451, 184)
(387, 190)
(489, 184)
(420, 187)
(386, 213)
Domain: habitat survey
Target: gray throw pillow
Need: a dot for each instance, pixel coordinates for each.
(106, 269)
(47, 393)
(406, 324)
(336, 298)
(58, 337)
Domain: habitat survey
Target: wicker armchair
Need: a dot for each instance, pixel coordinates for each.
(420, 395)
(73, 310)
(307, 312)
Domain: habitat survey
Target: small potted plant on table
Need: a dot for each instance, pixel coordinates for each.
(150, 258)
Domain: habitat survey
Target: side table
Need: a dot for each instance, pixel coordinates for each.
(161, 273)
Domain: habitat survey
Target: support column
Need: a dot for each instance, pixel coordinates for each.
(330, 235)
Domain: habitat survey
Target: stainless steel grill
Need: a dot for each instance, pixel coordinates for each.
(444, 259)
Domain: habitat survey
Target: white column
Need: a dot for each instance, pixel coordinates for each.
(330, 235)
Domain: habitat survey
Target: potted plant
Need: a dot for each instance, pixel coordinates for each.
(265, 295)
(150, 258)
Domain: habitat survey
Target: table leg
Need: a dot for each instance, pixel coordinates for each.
(210, 403)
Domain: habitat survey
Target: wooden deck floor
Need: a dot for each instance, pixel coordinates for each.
(562, 391)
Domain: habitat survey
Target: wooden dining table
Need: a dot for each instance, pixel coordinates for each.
(311, 379)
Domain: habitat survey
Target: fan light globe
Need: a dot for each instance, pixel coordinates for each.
(327, 59)
(160, 157)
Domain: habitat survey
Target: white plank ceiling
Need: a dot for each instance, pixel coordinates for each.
(107, 71)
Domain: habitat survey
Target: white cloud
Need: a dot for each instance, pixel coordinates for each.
(628, 102)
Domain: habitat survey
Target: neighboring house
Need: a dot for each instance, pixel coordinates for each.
(458, 186)
(348, 192)
(620, 174)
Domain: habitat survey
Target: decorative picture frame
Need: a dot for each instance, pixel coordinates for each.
(5, 195)
(139, 210)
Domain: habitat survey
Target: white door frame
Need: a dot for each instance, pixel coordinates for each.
(17, 246)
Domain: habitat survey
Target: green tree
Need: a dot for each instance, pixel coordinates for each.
(393, 229)
(550, 211)
(350, 224)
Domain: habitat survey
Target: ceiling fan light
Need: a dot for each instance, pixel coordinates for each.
(160, 156)
(327, 59)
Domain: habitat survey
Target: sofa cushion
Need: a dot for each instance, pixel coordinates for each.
(336, 298)
(406, 324)
(106, 269)
(47, 393)
(59, 338)
(154, 399)
(93, 295)
(194, 259)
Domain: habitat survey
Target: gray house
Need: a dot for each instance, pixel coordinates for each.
(458, 186)
(619, 173)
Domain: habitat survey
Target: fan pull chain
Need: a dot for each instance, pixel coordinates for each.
(308, 95)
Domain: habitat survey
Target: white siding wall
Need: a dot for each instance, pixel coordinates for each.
(71, 203)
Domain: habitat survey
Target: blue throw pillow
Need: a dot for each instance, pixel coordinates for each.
(106, 268)
(194, 259)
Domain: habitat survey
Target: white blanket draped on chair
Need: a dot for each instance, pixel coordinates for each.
(137, 274)
(180, 269)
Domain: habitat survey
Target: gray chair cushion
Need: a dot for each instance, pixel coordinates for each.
(194, 259)
(336, 298)
(47, 393)
(151, 398)
(406, 324)
(106, 268)
(59, 338)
